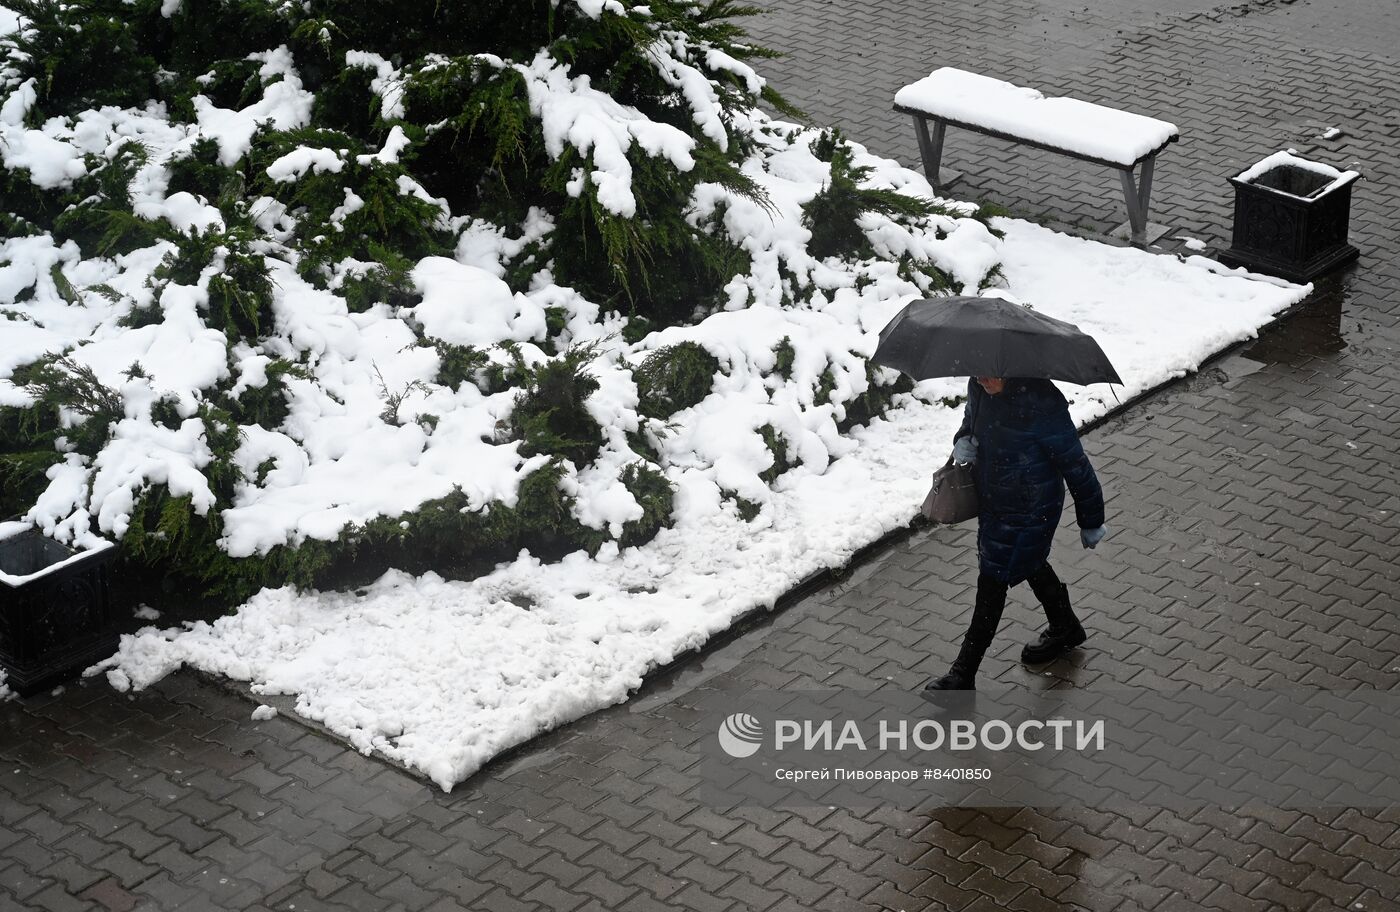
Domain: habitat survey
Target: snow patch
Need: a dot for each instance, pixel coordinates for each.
(602, 130)
(285, 103)
(1290, 158)
(51, 162)
(9, 21)
(387, 83)
(466, 305)
(443, 675)
(394, 144)
(294, 164)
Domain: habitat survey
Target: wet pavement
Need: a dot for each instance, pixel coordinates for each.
(1255, 511)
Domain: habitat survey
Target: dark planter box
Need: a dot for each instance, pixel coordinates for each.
(1291, 222)
(55, 613)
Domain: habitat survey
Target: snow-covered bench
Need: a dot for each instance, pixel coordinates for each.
(1078, 129)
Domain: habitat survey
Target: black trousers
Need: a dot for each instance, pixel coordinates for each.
(991, 602)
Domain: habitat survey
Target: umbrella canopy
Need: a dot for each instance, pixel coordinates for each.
(989, 337)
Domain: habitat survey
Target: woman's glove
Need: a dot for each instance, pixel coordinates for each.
(1091, 537)
(965, 450)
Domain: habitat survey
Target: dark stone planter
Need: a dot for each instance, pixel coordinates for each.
(1291, 222)
(54, 620)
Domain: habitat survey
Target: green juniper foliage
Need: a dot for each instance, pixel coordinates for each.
(831, 215)
(475, 142)
(673, 378)
(988, 211)
(785, 356)
(876, 399)
(58, 385)
(27, 450)
(994, 278)
(240, 292)
(748, 510)
(384, 282)
(167, 532)
(457, 539)
(458, 364)
(84, 54)
(656, 496)
(166, 412)
(777, 446)
(549, 415)
(198, 171)
(107, 231)
(641, 442)
(98, 216)
(394, 398)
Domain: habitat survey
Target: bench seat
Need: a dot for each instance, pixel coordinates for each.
(1093, 132)
(1078, 129)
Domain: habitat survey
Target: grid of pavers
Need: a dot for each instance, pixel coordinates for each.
(1256, 522)
(1239, 80)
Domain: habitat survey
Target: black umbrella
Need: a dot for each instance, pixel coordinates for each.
(989, 337)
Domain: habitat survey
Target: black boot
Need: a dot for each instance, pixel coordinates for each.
(1065, 632)
(986, 616)
(962, 674)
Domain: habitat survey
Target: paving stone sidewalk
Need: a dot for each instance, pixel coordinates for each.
(1255, 511)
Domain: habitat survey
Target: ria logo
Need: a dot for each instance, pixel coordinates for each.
(740, 735)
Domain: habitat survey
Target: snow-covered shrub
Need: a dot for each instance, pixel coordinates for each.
(96, 212)
(656, 496)
(197, 170)
(419, 285)
(27, 452)
(550, 415)
(673, 378)
(879, 395)
(59, 385)
(458, 364)
(778, 449)
(833, 214)
(82, 54)
(267, 405)
(240, 293)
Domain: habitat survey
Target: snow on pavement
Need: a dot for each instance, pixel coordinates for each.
(442, 676)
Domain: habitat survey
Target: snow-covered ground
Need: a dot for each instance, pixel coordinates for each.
(444, 675)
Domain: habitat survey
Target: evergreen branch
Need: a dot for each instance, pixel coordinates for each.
(394, 400)
(58, 381)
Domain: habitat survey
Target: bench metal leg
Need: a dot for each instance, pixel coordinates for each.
(930, 147)
(1138, 196)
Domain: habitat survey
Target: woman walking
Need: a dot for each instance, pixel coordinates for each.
(1025, 449)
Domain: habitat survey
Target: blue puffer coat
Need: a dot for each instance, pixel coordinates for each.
(1027, 450)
